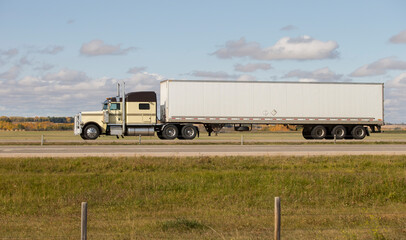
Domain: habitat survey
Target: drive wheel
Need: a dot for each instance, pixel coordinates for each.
(306, 133)
(170, 132)
(189, 132)
(339, 131)
(358, 132)
(91, 132)
(319, 132)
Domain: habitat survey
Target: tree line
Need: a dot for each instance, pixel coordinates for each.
(36, 123)
(37, 119)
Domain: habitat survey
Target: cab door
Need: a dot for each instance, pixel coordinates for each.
(115, 113)
(148, 112)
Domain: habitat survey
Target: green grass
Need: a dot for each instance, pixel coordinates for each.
(347, 197)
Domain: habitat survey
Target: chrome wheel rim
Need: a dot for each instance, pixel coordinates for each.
(320, 132)
(189, 132)
(340, 133)
(359, 132)
(91, 132)
(171, 132)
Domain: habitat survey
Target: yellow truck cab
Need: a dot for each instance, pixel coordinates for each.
(139, 114)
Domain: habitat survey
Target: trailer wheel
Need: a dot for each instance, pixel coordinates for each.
(358, 132)
(188, 132)
(318, 132)
(91, 132)
(170, 132)
(306, 133)
(339, 131)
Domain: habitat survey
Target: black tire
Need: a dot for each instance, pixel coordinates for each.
(188, 132)
(359, 132)
(159, 135)
(91, 132)
(83, 136)
(318, 132)
(306, 133)
(170, 132)
(340, 131)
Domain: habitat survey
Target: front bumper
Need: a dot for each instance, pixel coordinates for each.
(77, 129)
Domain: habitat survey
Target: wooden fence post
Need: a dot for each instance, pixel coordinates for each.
(42, 139)
(242, 139)
(139, 140)
(83, 232)
(277, 233)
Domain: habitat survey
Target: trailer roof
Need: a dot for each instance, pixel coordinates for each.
(226, 81)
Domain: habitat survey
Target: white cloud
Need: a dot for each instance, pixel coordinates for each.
(66, 76)
(322, 74)
(66, 91)
(395, 99)
(144, 82)
(398, 82)
(9, 53)
(301, 48)
(98, 47)
(136, 69)
(288, 28)
(11, 74)
(399, 38)
(246, 77)
(219, 75)
(379, 67)
(44, 67)
(51, 50)
(252, 67)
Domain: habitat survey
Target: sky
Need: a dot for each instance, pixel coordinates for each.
(58, 58)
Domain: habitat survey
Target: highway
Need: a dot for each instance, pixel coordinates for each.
(201, 150)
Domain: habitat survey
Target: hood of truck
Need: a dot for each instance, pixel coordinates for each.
(92, 113)
(93, 117)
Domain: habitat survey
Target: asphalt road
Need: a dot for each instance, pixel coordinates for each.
(200, 150)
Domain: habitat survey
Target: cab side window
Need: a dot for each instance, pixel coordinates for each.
(143, 106)
(115, 106)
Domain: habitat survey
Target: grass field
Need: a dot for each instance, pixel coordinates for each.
(67, 137)
(347, 197)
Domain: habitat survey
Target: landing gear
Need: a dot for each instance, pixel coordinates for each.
(213, 128)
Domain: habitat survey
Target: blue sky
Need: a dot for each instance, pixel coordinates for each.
(58, 58)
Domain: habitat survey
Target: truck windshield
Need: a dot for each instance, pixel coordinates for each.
(105, 105)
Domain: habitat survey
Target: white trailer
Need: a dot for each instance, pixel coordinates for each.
(325, 110)
(319, 107)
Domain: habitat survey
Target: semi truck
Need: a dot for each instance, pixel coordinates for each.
(323, 110)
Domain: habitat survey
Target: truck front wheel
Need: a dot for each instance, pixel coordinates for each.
(91, 132)
(170, 132)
